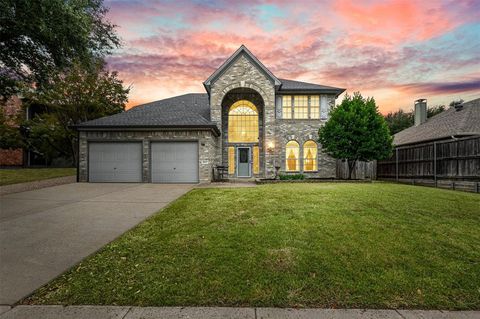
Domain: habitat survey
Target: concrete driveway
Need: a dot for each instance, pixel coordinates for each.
(44, 232)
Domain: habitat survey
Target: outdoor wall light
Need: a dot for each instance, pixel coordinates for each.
(270, 147)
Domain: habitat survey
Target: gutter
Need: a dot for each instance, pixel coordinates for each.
(211, 127)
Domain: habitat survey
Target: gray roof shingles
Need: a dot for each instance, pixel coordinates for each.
(188, 110)
(448, 123)
(290, 85)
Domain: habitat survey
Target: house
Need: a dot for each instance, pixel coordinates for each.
(460, 121)
(441, 151)
(248, 120)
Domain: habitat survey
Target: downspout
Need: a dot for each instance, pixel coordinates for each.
(435, 163)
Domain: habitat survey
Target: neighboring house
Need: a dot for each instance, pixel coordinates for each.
(460, 121)
(249, 120)
(12, 157)
(439, 151)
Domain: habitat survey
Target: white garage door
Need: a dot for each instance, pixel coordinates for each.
(115, 162)
(174, 162)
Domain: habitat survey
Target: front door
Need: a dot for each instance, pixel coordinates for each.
(243, 160)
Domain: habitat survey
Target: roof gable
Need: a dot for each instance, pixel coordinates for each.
(242, 50)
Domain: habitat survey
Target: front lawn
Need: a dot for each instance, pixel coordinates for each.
(22, 175)
(374, 245)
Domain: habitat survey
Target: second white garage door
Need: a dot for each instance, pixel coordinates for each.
(174, 162)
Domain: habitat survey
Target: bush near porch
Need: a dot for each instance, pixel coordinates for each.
(375, 245)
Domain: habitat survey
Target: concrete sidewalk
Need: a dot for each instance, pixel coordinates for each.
(120, 312)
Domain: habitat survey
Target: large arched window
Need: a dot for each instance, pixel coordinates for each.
(309, 156)
(292, 151)
(243, 122)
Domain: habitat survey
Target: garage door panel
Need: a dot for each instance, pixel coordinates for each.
(174, 162)
(115, 162)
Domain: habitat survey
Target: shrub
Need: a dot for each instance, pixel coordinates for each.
(291, 177)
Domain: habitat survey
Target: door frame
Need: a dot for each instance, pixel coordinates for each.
(249, 160)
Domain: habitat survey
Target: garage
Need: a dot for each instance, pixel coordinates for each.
(115, 162)
(174, 162)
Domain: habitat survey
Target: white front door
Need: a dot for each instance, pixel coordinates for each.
(243, 162)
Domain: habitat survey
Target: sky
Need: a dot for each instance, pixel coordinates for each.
(394, 50)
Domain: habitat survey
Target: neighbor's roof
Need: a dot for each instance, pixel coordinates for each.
(294, 86)
(188, 110)
(448, 123)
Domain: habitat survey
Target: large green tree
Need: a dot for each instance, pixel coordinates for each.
(77, 95)
(356, 131)
(38, 37)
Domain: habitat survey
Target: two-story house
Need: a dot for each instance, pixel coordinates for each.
(249, 120)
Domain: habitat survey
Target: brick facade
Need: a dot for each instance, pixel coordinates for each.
(206, 139)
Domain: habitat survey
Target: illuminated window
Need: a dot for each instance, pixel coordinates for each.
(300, 103)
(292, 151)
(287, 106)
(243, 122)
(256, 160)
(309, 156)
(231, 160)
(314, 107)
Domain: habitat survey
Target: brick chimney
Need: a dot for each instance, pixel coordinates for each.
(420, 111)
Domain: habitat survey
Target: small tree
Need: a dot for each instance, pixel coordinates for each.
(77, 95)
(356, 131)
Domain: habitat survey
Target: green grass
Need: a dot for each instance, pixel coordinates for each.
(22, 175)
(374, 245)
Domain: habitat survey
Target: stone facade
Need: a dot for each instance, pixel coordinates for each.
(207, 140)
(243, 73)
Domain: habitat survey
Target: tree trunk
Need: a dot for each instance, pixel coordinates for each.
(351, 167)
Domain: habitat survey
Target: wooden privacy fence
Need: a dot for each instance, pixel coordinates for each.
(362, 170)
(436, 163)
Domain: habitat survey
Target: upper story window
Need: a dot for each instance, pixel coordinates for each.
(243, 122)
(304, 107)
(314, 107)
(300, 103)
(287, 106)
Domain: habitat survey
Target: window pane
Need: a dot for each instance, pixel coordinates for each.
(314, 107)
(287, 107)
(292, 151)
(310, 156)
(243, 122)
(256, 160)
(231, 160)
(300, 104)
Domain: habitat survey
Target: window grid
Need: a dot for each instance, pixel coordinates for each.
(309, 156)
(314, 107)
(292, 150)
(300, 106)
(243, 122)
(287, 106)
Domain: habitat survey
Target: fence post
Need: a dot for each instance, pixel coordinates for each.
(435, 163)
(396, 162)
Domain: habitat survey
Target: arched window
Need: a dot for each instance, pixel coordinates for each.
(309, 156)
(292, 151)
(243, 122)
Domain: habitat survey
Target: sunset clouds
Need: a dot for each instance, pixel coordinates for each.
(396, 51)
